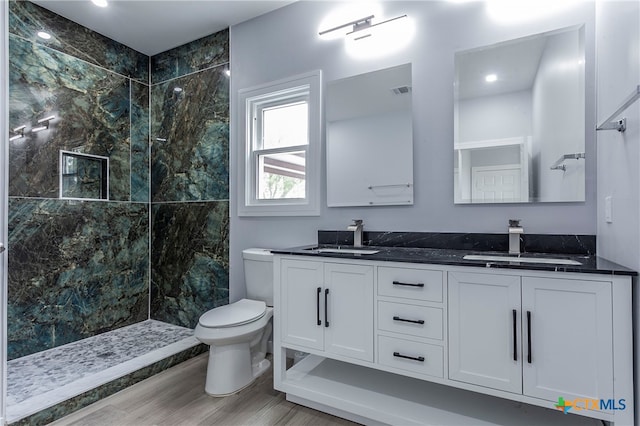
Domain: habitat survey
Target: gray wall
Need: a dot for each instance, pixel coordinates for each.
(285, 42)
(619, 153)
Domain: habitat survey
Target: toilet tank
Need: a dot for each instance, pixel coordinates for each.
(258, 274)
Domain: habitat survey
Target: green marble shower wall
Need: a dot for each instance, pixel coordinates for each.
(158, 247)
(76, 268)
(190, 180)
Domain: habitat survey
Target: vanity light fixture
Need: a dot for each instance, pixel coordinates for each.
(44, 124)
(358, 25)
(490, 78)
(19, 133)
(44, 35)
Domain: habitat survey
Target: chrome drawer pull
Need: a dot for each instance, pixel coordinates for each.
(408, 320)
(399, 355)
(408, 284)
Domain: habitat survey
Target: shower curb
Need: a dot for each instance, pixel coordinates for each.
(67, 407)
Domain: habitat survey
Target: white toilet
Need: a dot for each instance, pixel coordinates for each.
(238, 333)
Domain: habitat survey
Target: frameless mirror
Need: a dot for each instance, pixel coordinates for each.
(370, 139)
(519, 115)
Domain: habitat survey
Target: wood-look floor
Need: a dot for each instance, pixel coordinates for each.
(176, 397)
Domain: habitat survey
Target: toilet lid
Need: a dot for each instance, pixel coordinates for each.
(241, 312)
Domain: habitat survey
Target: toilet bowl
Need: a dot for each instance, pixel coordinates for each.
(238, 333)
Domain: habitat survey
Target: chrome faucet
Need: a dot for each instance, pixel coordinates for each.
(356, 227)
(515, 230)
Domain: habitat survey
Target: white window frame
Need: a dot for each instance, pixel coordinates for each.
(300, 87)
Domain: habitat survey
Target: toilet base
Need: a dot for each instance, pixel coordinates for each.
(230, 369)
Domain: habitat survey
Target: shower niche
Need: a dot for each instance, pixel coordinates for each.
(83, 176)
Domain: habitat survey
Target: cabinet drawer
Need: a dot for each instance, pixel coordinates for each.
(420, 321)
(415, 284)
(411, 356)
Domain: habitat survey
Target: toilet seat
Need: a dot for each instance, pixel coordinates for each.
(235, 314)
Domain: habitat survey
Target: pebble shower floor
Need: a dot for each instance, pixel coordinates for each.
(40, 380)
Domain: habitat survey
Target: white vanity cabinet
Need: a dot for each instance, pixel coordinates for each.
(410, 320)
(328, 307)
(542, 337)
(405, 343)
(484, 335)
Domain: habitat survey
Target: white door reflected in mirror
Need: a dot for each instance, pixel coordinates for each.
(519, 116)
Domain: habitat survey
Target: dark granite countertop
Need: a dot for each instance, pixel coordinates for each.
(590, 264)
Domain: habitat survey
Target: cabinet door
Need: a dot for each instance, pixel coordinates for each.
(349, 310)
(571, 328)
(484, 333)
(301, 288)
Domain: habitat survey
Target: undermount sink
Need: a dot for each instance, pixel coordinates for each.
(344, 250)
(498, 258)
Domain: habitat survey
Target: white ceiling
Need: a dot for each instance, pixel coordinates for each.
(153, 26)
(515, 63)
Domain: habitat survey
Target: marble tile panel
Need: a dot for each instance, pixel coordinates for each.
(91, 110)
(140, 150)
(76, 269)
(190, 262)
(190, 138)
(26, 18)
(197, 55)
(531, 243)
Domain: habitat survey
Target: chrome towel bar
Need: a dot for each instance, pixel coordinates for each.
(558, 165)
(621, 124)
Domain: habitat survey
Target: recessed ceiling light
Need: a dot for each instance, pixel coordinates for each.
(100, 3)
(44, 35)
(177, 89)
(490, 78)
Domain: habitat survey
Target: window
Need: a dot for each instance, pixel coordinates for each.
(279, 148)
